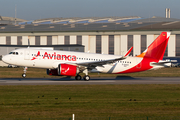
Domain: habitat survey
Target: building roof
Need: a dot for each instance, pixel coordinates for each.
(10, 20)
(83, 20)
(95, 25)
(72, 27)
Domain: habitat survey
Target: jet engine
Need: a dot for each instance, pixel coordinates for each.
(64, 69)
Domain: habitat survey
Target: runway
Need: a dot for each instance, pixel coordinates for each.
(93, 81)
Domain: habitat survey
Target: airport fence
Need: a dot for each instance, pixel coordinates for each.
(102, 118)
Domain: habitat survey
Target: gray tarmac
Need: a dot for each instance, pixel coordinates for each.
(93, 81)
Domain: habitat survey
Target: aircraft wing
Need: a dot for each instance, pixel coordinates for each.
(91, 65)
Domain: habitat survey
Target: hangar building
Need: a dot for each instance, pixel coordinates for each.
(110, 35)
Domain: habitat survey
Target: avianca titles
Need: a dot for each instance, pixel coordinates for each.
(69, 63)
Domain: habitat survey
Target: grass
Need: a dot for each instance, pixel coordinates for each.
(54, 101)
(41, 73)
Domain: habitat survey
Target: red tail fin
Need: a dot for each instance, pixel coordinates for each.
(157, 48)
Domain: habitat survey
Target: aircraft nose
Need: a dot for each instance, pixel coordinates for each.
(4, 59)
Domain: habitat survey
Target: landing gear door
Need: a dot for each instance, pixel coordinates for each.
(26, 55)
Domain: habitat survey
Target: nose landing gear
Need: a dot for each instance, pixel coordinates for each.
(24, 74)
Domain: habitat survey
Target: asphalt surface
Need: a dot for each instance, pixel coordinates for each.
(93, 81)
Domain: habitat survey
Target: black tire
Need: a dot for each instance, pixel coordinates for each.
(23, 75)
(78, 77)
(86, 78)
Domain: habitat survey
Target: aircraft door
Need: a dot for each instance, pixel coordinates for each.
(26, 55)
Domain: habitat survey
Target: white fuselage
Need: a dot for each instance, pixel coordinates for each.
(50, 59)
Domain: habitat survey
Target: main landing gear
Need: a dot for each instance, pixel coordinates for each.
(86, 77)
(78, 77)
(24, 74)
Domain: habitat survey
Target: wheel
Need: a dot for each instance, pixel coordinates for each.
(86, 78)
(78, 77)
(23, 75)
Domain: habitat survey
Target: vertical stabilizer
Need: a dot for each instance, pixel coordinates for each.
(157, 48)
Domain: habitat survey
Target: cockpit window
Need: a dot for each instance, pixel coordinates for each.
(14, 53)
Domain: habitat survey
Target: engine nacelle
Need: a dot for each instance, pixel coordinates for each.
(64, 69)
(67, 70)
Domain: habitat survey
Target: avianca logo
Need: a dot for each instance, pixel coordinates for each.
(55, 56)
(38, 54)
(66, 71)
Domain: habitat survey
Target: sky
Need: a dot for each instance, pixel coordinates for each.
(39, 9)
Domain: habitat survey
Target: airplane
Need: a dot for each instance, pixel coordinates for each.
(68, 63)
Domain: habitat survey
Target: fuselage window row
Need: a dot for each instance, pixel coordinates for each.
(78, 58)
